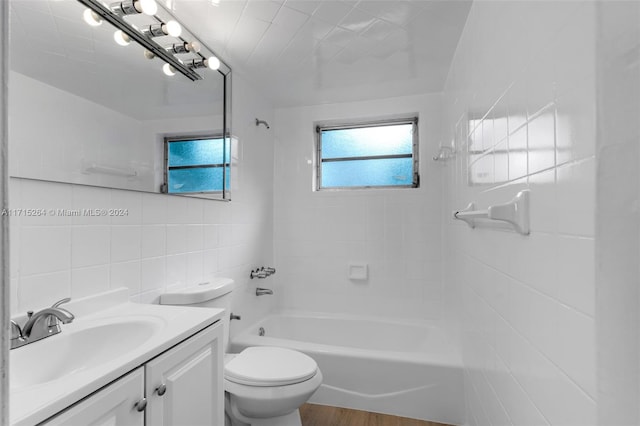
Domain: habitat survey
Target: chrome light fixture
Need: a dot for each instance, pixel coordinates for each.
(159, 28)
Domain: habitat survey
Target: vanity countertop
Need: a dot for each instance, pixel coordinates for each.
(109, 337)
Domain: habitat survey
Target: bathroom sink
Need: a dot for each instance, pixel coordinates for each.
(109, 337)
(77, 348)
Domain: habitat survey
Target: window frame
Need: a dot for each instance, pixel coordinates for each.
(319, 128)
(188, 138)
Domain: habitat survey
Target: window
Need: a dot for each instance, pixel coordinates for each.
(365, 155)
(196, 164)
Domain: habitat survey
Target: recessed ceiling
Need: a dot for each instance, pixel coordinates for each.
(304, 52)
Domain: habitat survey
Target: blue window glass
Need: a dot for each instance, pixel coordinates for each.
(367, 141)
(379, 172)
(196, 152)
(197, 165)
(379, 155)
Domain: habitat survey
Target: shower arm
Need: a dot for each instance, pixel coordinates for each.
(259, 122)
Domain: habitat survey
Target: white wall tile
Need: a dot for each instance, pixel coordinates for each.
(126, 274)
(91, 198)
(153, 274)
(177, 270)
(194, 268)
(525, 303)
(154, 209)
(41, 195)
(195, 237)
(90, 246)
(44, 250)
(40, 291)
(88, 281)
(153, 241)
(177, 210)
(125, 243)
(177, 239)
(131, 202)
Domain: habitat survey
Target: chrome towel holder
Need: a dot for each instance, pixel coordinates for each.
(515, 212)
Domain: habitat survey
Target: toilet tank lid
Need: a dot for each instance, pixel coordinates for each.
(198, 293)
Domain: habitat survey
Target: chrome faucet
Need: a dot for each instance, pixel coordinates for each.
(262, 291)
(41, 324)
(263, 272)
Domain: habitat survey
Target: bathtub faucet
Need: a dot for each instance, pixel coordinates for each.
(262, 291)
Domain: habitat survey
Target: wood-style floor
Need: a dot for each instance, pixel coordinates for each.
(321, 415)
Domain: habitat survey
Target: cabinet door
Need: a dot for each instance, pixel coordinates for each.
(184, 386)
(114, 405)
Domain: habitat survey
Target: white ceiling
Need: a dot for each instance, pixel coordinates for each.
(296, 52)
(304, 52)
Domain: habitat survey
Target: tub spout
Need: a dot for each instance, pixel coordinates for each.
(262, 291)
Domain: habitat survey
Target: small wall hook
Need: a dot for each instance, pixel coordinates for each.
(259, 122)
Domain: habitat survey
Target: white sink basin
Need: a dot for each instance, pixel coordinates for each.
(77, 348)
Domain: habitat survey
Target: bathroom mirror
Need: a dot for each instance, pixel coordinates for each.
(84, 109)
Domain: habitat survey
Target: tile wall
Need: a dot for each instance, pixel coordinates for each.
(520, 111)
(163, 241)
(397, 232)
(618, 221)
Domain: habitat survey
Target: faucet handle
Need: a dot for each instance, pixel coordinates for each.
(16, 331)
(60, 302)
(53, 321)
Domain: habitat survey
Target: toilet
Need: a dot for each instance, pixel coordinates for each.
(264, 385)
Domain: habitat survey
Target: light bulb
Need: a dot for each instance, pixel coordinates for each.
(194, 46)
(213, 63)
(173, 28)
(149, 54)
(91, 18)
(121, 38)
(168, 70)
(148, 7)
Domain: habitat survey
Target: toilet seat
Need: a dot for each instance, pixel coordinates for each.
(269, 366)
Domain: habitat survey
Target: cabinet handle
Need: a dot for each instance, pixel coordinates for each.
(161, 389)
(141, 405)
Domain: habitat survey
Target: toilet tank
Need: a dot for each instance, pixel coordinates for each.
(213, 294)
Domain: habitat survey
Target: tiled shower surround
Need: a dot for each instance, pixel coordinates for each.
(397, 233)
(521, 114)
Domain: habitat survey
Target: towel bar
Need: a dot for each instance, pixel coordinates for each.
(515, 212)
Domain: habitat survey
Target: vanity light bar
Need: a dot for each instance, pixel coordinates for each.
(153, 47)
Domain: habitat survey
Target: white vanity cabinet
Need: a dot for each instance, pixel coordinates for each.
(112, 405)
(181, 386)
(185, 384)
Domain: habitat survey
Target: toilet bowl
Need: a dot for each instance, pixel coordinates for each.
(264, 386)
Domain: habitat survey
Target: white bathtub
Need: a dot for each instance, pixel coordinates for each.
(400, 368)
